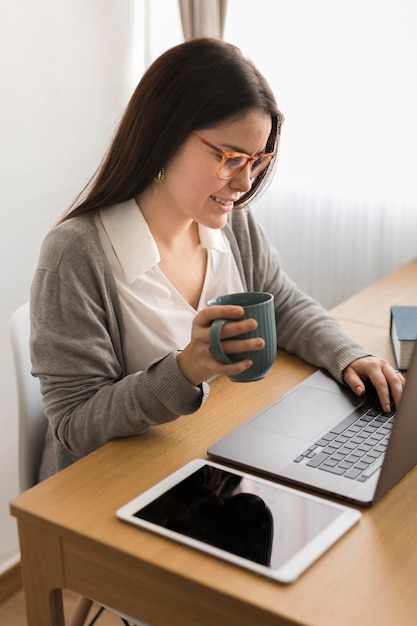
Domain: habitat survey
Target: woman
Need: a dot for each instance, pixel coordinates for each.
(120, 326)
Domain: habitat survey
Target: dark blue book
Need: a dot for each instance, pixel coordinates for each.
(403, 333)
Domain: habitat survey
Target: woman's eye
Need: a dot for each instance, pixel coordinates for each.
(235, 161)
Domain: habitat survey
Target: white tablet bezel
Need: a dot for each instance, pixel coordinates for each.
(286, 573)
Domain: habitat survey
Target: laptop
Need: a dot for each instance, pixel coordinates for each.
(322, 437)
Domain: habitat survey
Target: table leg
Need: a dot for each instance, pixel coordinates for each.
(43, 575)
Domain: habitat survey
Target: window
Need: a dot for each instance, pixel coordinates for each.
(343, 74)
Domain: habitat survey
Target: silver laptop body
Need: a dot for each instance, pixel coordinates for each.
(272, 441)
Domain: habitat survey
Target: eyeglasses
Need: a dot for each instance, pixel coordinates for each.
(234, 162)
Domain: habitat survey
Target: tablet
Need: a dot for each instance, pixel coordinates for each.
(270, 529)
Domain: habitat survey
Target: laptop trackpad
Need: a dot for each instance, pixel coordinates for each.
(304, 413)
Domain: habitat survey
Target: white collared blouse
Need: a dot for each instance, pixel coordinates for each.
(156, 318)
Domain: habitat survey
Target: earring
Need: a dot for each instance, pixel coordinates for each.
(160, 175)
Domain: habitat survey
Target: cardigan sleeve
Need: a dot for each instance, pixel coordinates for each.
(77, 353)
(304, 327)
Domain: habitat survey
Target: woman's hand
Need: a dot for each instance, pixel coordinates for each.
(388, 382)
(197, 362)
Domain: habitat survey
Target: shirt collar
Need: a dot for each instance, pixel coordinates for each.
(133, 243)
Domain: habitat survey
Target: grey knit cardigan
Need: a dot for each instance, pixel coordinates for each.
(77, 340)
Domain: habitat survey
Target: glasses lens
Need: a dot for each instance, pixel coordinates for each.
(259, 165)
(232, 166)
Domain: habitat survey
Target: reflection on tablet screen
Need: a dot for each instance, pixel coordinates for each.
(249, 518)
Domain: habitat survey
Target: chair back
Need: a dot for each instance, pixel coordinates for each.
(32, 420)
(32, 429)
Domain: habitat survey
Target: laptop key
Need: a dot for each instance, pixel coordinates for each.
(329, 462)
(344, 451)
(317, 459)
(329, 450)
(335, 444)
(353, 473)
(352, 458)
(373, 468)
(337, 456)
(334, 470)
(361, 435)
(375, 454)
(350, 446)
(348, 421)
(346, 464)
(342, 439)
(329, 436)
(361, 466)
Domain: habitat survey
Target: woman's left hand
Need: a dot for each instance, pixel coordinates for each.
(388, 382)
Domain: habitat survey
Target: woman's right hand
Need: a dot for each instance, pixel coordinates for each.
(197, 362)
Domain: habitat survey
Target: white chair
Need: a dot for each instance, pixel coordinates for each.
(32, 430)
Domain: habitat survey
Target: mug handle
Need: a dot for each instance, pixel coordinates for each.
(215, 343)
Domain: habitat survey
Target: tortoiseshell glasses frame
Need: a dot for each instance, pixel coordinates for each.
(232, 163)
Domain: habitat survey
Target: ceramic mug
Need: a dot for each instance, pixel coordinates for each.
(258, 305)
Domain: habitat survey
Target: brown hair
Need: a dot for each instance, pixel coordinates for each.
(192, 86)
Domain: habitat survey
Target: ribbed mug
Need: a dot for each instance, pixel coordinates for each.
(258, 305)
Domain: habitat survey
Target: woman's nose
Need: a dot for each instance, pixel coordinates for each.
(243, 180)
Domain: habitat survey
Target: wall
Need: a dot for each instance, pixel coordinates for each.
(333, 247)
(342, 208)
(66, 74)
(342, 74)
(67, 70)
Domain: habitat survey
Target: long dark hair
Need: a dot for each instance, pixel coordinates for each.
(194, 85)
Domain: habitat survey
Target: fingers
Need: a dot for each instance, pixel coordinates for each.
(210, 313)
(198, 364)
(396, 382)
(388, 382)
(230, 369)
(387, 385)
(234, 337)
(196, 360)
(230, 330)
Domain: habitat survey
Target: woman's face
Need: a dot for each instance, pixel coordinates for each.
(191, 188)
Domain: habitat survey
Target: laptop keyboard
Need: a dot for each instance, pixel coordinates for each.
(355, 447)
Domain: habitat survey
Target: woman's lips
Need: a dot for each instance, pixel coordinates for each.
(226, 205)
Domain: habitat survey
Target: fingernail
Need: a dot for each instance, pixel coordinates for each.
(359, 390)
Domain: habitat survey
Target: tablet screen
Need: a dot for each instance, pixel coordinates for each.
(248, 519)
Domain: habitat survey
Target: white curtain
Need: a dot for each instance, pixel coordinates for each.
(203, 18)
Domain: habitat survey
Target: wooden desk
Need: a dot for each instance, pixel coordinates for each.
(70, 538)
(372, 305)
